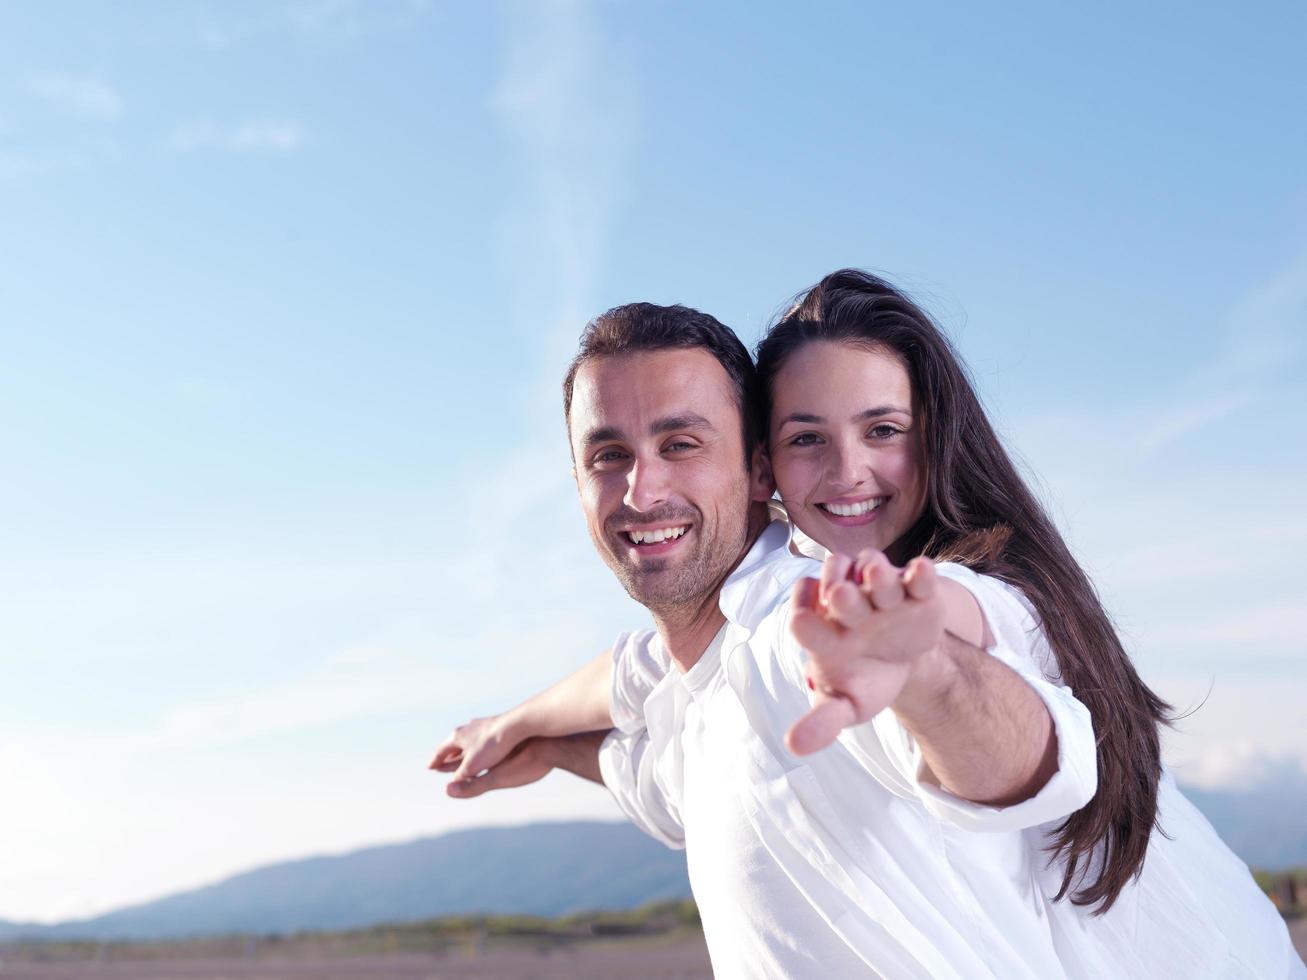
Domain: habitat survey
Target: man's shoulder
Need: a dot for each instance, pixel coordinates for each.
(761, 586)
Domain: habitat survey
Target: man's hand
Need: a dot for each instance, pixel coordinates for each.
(525, 763)
(475, 747)
(872, 633)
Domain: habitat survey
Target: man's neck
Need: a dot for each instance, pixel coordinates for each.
(687, 630)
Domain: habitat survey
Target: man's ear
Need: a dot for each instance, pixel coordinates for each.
(761, 484)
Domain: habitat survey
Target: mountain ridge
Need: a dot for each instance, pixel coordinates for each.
(547, 869)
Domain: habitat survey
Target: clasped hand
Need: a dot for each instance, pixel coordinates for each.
(872, 633)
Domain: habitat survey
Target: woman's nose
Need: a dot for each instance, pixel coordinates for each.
(849, 467)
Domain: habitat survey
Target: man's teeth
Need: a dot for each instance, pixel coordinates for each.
(656, 535)
(855, 510)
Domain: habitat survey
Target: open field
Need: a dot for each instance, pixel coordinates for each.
(662, 940)
(684, 958)
(633, 946)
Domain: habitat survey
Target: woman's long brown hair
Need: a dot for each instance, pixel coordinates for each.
(979, 512)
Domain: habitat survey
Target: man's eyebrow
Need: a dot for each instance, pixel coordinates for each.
(673, 423)
(607, 433)
(808, 418)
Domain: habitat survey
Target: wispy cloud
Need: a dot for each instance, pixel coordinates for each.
(1185, 504)
(308, 21)
(83, 94)
(251, 136)
(568, 105)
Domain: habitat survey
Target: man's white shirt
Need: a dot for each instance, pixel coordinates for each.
(848, 862)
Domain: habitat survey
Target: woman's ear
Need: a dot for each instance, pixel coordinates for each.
(761, 484)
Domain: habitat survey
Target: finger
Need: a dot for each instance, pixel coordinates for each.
(806, 593)
(848, 606)
(487, 755)
(472, 786)
(446, 757)
(920, 578)
(834, 569)
(820, 726)
(865, 558)
(815, 632)
(881, 583)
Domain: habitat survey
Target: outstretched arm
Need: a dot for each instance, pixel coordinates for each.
(532, 760)
(880, 641)
(579, 703)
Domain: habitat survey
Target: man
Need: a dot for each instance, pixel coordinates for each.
(844, 862)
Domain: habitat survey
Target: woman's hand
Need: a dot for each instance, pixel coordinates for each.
(474, 748)
(872, 632)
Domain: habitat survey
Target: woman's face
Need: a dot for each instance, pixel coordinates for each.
(845, 449)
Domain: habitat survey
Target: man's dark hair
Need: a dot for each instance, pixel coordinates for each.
(638, 327)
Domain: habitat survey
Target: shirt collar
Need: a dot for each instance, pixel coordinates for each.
(763, 578)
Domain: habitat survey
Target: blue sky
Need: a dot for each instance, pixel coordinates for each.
(287, 288)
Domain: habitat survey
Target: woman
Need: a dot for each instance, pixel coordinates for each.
(878, 441)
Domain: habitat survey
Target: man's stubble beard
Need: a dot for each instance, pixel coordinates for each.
(664, 588)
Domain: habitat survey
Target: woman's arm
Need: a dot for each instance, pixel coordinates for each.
(879, 637)
(579, 703)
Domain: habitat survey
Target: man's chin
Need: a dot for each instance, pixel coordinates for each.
(654, 583)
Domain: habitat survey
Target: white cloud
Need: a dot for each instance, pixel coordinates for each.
(84, 95)
(255, 135)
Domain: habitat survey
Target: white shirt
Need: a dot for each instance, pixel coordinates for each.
(881, 872)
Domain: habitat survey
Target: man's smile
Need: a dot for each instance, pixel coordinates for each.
(655, 539)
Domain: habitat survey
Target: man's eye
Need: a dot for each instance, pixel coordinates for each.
(678, 446)
(608, 456)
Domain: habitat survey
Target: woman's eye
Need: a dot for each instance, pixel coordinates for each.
(884, 431)
(804, 439)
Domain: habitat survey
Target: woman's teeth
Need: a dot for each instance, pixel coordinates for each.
(854, 510)
(656, 535)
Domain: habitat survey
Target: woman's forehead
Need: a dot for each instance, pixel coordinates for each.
(836, 373)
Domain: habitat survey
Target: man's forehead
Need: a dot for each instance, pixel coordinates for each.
(641, 386)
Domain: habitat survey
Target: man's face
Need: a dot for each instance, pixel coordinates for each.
(659, 454)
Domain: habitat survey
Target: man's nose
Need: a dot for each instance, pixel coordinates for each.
(646, 484)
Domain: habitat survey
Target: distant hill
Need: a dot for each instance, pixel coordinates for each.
(542, 869)
(1265, 824)
(8, 929)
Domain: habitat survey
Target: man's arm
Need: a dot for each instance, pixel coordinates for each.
(578, 703)
(984, 733)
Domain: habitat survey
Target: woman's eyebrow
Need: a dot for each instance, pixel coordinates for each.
(879, 410)
(808, 418)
